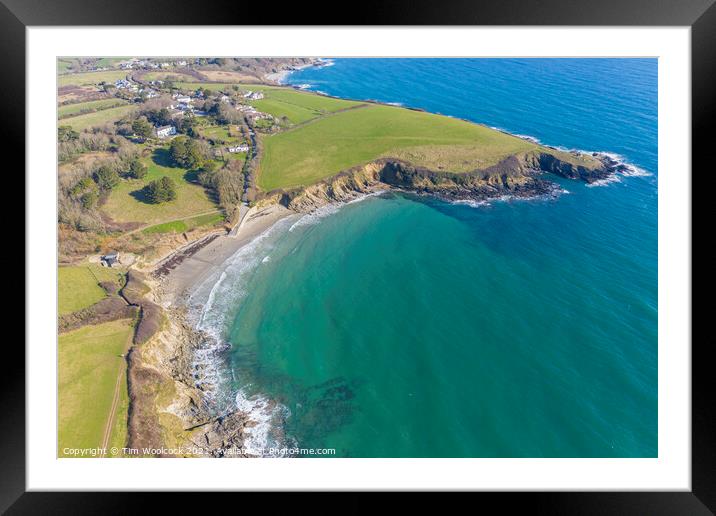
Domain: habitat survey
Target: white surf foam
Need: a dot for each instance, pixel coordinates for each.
(327, 210)
(266, 417)
(210, 313)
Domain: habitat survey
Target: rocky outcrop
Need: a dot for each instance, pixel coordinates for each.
(519, 175)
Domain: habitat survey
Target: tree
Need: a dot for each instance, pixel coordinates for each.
(187, 124)
(159, 116)
(106, 177)
(137, 169)
(89, 199)
(161, 190)
(65, 133)
(142, 127)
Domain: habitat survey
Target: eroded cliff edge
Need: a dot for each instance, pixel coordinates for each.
(519, 175)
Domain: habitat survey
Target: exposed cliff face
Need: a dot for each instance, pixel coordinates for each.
(518, 175)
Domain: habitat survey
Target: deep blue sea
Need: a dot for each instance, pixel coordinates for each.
(400, 326)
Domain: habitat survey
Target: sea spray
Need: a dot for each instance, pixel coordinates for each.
(212, 307)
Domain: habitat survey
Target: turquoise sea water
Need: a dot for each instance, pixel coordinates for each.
(403, 326)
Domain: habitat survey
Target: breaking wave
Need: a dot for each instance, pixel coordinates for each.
(212, 373)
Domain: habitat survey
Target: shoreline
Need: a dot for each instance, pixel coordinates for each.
(281, 76)
(188, 360)
(173, 286)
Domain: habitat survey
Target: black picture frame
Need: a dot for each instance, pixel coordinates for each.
(700, 15)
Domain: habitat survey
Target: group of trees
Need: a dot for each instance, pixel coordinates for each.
(189, 153)
(83, 186)
(161, 190)
(70, 143)
(226, 181)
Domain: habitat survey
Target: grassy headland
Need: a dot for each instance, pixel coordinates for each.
(337, 142)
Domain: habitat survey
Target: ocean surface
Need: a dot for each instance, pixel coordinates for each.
(404, 326)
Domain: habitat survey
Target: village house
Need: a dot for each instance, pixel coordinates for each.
(165, 131)
(239, 148)
(182, 99)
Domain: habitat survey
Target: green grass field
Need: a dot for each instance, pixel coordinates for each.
(220, 134)
(89, 363)
(297, 106)
(82, 122)
(78, 287)
(336, 142)
(63, 65)
(93, 105)
(90, 78)
(127, 203)
(180, 226)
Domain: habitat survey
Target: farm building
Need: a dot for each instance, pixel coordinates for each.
(110, 259)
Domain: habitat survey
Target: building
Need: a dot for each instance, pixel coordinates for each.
(165, 131)
(110, 259)
(182, 99)
(239, 148)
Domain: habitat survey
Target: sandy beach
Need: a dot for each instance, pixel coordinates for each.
(174, 286)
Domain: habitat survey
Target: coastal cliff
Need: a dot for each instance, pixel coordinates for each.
(520, 175)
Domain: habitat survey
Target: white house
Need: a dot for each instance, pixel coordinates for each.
(239, 148)
(165, 131)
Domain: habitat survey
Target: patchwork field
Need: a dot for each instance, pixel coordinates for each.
(168, 75)
(78, 287)
(336, 142)
(87, 107)
(90, 78)
(82, 122)
(89, 366)
(127, 202)
(109, 62)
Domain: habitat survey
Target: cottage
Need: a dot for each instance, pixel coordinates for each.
(165, 131)
(110, 260)
(239, 148)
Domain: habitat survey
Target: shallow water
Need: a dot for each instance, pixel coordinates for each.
(403, 326)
